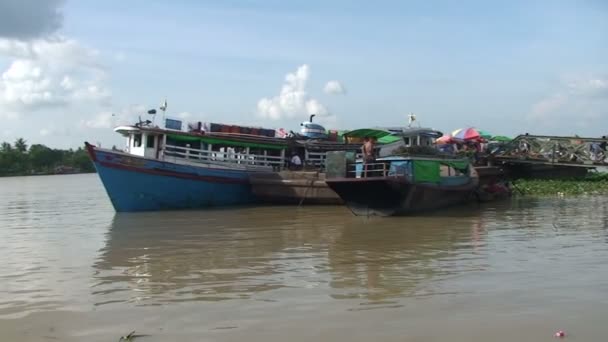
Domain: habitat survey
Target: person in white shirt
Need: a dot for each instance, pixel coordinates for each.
(296, 162)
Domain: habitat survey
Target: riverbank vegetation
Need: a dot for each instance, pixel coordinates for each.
(593, 184)
(19, 159)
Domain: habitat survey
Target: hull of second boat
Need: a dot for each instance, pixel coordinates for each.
(148, 185)
(396, 197)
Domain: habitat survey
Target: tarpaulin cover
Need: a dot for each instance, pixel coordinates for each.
(426, 171)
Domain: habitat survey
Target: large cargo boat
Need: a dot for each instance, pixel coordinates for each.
(195, 165)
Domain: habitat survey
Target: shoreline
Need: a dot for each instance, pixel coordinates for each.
(48, 174)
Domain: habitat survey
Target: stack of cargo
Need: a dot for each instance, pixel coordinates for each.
(235, 129)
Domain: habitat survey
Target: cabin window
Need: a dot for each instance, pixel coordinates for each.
(137, 140)
(406, 140)
(150, 141)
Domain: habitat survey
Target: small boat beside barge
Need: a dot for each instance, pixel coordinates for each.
(401, 185)
(309, 186)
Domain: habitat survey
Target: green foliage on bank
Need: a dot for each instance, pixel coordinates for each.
(594, 184)
(18, 159)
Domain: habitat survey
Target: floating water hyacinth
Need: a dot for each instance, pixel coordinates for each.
(591, 185)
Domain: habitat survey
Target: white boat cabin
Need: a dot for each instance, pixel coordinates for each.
(187, 147)
(392, 138)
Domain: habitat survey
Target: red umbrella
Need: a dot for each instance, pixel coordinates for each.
(466, 134)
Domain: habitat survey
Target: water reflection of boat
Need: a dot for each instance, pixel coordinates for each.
(403, 257)
(211, 256)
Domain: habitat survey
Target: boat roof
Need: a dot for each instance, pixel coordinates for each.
(242, 140)
(382, 132)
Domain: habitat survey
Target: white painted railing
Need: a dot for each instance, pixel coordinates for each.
(315, 159)
(230, 157)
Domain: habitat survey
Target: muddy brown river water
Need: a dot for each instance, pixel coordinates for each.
(73, 270)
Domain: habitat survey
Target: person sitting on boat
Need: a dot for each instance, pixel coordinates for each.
(296, 162)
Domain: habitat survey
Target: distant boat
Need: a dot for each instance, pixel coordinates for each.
(402, 185)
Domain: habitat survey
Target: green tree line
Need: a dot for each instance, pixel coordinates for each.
(19, 160)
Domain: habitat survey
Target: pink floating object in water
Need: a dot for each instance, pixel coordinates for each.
(560, 334)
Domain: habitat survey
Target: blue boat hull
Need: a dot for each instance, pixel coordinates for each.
(138, 184)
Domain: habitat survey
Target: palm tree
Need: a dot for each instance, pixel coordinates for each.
(20, 145)
(6, 147)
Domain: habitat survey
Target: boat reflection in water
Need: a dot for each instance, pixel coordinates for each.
(273, 254)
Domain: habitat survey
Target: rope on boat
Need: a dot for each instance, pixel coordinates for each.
(312, 181)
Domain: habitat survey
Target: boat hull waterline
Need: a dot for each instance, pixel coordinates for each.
(396, 196)
(138, 184)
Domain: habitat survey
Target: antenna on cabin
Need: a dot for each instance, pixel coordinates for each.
(163, 107)
(153, 113)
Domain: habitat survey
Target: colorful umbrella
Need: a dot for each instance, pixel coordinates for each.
(446, 139)
(465, 134)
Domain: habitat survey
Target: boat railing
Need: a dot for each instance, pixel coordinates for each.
(376, 170)
(245, 159)
(315, 159)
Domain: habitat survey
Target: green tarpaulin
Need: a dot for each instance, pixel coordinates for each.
(484, 134)
(426, 171)
(367, 132)
(389, 139)
(461, 165)
(501, 138)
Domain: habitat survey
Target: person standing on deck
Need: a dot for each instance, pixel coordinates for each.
(368, 153)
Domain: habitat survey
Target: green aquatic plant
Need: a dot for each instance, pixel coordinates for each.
(594, 184)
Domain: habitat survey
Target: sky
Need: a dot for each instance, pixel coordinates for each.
(72, 70)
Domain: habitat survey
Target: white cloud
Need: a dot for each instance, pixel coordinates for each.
(589, 86)
(334, 88)
(56, 72)
(8, 115)
(579, 98)
(293, 100)
(548, 105)
(120, 56)
(109, 119)
(53, 130)
(101, 120)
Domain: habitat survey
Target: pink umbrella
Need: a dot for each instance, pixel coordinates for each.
(446, 139)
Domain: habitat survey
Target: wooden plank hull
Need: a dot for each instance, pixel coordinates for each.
(293, 187)
(392, 196)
